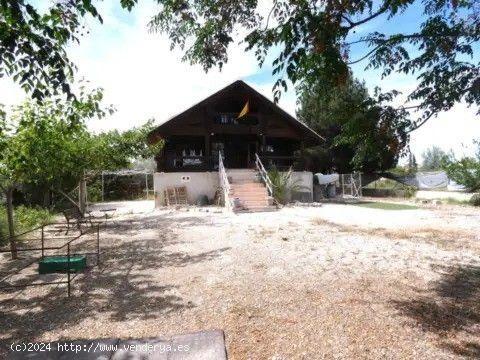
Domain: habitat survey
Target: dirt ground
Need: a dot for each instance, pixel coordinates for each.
(318, 282)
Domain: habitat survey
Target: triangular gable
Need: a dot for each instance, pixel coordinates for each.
(249, 94)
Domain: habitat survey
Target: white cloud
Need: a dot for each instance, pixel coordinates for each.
(454, 130)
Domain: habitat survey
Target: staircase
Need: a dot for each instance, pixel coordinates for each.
(247, 192)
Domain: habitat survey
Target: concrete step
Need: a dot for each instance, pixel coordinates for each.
(246, 181)
(256, 209)
(248, 197)
(244, 189)
(249, 185)
(237, 175)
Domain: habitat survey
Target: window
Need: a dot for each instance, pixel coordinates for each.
(231, 119)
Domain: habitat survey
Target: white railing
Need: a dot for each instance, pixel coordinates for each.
(264, 175)
(225, 185)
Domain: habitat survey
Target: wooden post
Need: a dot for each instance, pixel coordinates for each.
(98, 244)
(146, 184)
(11, 229)
(68, 269)
(207, 150)
(103, 188)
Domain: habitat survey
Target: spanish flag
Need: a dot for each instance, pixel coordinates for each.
(244, 111)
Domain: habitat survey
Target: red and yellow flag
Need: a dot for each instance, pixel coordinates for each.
(244, 111)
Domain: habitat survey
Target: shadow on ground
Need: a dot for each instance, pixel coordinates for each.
(121, 287)
(451, 310)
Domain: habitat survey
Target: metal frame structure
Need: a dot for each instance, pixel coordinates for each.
(351, 185)
(42, 249)
(126, 173)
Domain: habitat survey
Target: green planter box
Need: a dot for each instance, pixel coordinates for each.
(52, 264)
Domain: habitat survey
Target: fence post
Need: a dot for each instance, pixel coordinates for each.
(98, 244)
(68, 269)
(146, 184)
(43, 241)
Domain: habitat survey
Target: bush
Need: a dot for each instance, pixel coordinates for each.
(475, 200)
(283, 184)
(25, 218)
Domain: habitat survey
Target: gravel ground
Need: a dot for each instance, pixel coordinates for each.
(334, 281)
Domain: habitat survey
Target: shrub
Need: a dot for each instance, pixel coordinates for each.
(410, 191)
(475, 200)
(25, 218)
(283, 184)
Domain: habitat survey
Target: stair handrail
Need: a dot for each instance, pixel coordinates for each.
(264, 175)
(225, 185)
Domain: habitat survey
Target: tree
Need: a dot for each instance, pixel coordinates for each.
(359, 130)
(314, 40)
(465, 171)
(432, 158)
(32, 43)
(43, 144)
(310, 40)
(412, 166)
(49, 149)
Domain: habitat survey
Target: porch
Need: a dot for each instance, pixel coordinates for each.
(201, 153)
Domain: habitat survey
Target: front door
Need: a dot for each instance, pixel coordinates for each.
(236, 153)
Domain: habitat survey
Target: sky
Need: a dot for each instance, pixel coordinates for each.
(143, 78)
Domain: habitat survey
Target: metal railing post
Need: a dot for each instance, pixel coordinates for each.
(98, 244)
(68, 269)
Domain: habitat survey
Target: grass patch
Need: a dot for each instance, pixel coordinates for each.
(25, 218)
(385, 205)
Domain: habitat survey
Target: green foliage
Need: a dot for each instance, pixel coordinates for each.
(48, 143)
(465, 171)
(313, 42)
(51, 148)
(26, 218)
(33, 42)
(412, 166)
(432, 158)
(283, 184)
(475, 200)
(410, 191)
(361, 133)
(116, 150)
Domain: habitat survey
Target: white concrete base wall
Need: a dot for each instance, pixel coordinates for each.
(197, 183)
(206, 183)
(304, 179)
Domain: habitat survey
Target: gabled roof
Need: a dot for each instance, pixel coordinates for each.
(309, 133)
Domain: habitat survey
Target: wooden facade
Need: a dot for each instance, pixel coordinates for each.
(195, 137)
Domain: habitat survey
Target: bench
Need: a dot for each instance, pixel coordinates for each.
(75, 216)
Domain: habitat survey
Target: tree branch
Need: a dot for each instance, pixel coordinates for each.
(366, 55)
(418, 125)
(380, 11)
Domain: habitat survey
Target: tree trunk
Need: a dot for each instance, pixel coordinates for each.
(11, 230)
(46, 197)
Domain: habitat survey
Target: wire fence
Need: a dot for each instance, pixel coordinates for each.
(40, 243)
